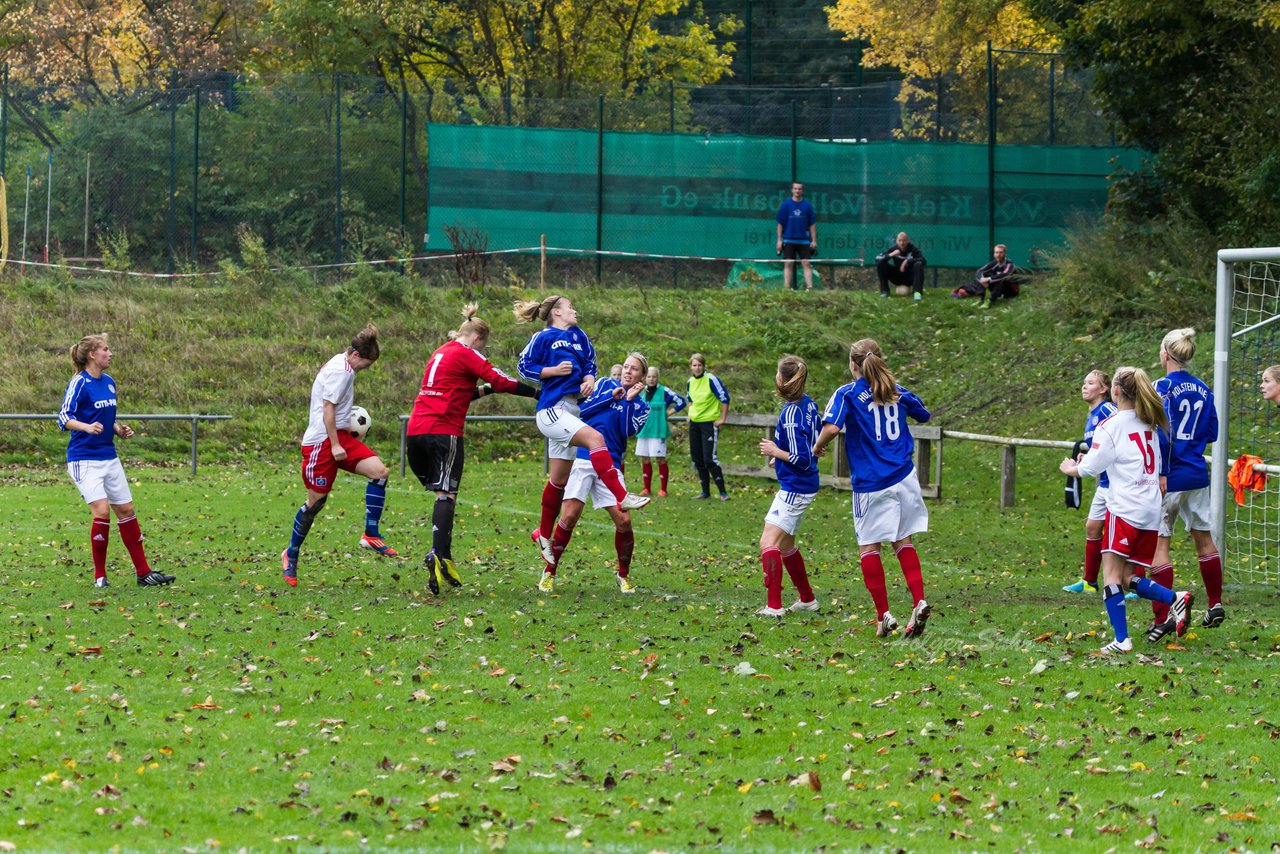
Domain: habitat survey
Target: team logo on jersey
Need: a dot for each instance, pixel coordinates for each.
(322, 481)
(111, 387)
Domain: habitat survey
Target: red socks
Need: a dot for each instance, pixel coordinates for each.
(559, 542)
(1092, 560)
(99, 531)
(873, 577)
(552, 497)
(603, 465)
(647, 469)
(771, 560)
(663, 473)
(910, 563)
(625, 544)
(131, 536)
(1162, 575)
(794, 563)
(1211, 572)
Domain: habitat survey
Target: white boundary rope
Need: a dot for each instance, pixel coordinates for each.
(533, 250)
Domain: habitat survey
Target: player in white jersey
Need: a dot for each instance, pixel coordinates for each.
(1126, 446)
(328, 446)
(1096, 391)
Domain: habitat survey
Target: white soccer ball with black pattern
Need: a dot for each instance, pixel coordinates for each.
(358, 426)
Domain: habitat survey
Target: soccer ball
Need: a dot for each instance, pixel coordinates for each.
(358, 426)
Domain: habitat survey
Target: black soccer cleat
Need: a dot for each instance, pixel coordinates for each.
(155, 579)
(1214, 617)
(1159, 631)
(431, 564)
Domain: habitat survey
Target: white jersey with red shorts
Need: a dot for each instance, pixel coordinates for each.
(448, 385)
(320, 469)
(336, 384)
(1127, 449)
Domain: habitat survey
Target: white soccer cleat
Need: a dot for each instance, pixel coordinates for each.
(766, 611)
(634, 501)
(811, 605)
(624, 584)
(1117, 647)
(1181, 610)
(547, 583)
(544, 545)
(101, 582)
(919, 616)
(886, 625)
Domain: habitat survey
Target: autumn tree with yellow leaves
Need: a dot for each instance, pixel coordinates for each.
(940, 46)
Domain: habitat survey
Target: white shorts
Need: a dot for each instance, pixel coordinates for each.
(559, 424)
(891, 514)
(1098, 509)
(787, 509)
(651, 447)
(99, 479)
(1192, 506)
(583, 481)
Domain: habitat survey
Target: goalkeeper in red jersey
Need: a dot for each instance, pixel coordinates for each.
(434, 434)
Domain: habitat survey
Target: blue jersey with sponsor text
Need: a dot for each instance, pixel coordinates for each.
(616, 420)
(549, 347)
(90, 401)
(1097, 415)
(795, 433)
(877, 439)
(1193, 423)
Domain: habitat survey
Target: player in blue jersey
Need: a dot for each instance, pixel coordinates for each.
(1193, 424)
(616, 410)
(790, 452)
(560, 357)
(887, 504)
(88, 412)
(1096, 391)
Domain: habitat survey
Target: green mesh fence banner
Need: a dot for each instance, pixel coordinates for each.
(716, 196)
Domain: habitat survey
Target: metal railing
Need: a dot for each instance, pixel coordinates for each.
(194, 419)
(929, 446)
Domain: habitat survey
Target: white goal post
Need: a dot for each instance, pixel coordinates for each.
(1246, 340)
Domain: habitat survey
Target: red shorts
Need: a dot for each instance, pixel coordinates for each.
(1135, 545)
(320, 469)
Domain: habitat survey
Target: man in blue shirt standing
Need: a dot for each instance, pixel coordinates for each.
(797, 236)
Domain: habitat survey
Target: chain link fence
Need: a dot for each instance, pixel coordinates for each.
(331, 169)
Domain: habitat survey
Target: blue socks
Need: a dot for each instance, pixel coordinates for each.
(1148, 589)
(375, 496)
(1113, 598)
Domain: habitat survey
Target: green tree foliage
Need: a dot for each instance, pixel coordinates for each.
(536, 48)
(1192, 81)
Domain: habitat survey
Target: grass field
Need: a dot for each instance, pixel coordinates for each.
(359, 712)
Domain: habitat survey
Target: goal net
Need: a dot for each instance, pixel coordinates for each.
(1247, 341)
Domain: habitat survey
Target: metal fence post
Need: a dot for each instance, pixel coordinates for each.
(1053, 63)
(793, 142)
(4, 119)
(195, 178)
(195, 422)
(173, 160)
(404, 151)
(337, 166)
(991, 146)
(599, 183)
